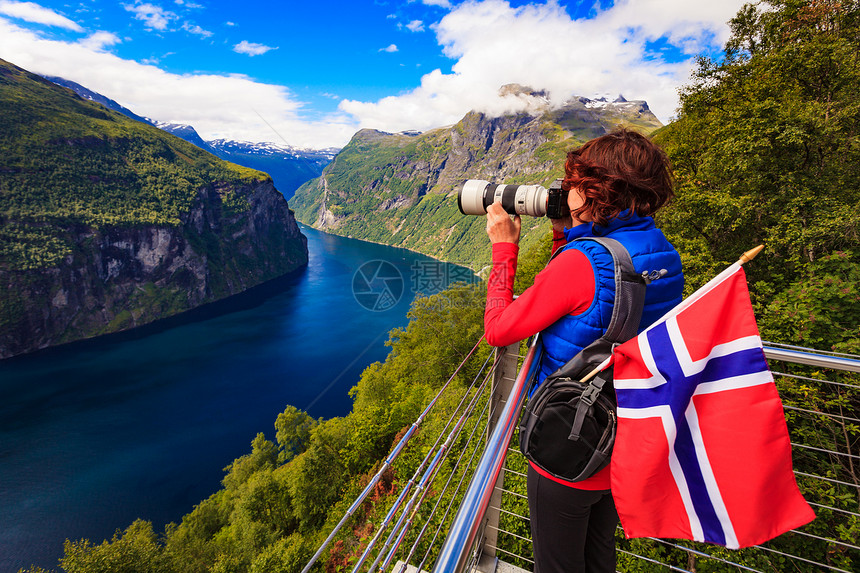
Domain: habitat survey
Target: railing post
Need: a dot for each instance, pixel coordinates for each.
(503, 380)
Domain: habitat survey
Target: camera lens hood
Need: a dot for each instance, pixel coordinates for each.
(470, 200)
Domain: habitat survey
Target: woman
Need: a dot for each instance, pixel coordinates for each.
(615, 183)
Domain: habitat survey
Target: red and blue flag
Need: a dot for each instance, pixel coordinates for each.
(702, 450)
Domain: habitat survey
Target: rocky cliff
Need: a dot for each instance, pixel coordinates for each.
(117, 278)
(401, 189)
(107, 224)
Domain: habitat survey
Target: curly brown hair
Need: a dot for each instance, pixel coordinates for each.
(618, 171)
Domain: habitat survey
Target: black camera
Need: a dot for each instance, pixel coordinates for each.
(534, 200)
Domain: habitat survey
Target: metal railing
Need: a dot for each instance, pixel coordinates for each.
(491, 522)
(781, 353)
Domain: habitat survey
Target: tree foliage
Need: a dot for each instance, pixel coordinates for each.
(766, 146)
(293, 432)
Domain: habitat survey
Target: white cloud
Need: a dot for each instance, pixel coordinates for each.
(390, 49)
(195, 29)
(541, 46)
(99, 41)
(415, 26)
(218, 106)
(251, 48)
(440, 3)
(154, 17)
(31, 12)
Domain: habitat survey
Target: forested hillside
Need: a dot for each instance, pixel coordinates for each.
(765, 151)
(107, 223)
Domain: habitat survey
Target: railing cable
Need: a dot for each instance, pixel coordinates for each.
(515, 493)
(512, 534)
(825, 539)
(387, 463)
(649, 560)
(526, 559)
(822, 478)
(389, 517)
(825, 414)
(819, 380)
(824, 451)
(845, 511)
(798, 558)
(703, 554)
(403, 524)
(511, 513)
(441, 495)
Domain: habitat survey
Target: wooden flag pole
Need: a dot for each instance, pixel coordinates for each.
(745, 258)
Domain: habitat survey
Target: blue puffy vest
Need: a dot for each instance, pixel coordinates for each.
(649, 250)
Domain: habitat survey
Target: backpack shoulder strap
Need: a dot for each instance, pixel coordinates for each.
(629, 292)
(626, 309)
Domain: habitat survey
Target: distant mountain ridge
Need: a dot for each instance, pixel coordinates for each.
(107, 223)
(90, 95)
(288, 166)
(401, 189)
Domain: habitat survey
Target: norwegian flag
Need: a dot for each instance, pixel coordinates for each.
(702, 450)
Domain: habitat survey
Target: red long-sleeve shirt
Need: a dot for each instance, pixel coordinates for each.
(566, 286)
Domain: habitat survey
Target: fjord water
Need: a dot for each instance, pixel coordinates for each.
(94, 435)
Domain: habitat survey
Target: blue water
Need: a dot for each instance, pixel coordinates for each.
(94, 435)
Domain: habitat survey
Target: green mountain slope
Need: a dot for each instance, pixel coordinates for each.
(106, 223)
(401, 189)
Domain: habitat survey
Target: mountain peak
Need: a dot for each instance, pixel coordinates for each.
(521, 90)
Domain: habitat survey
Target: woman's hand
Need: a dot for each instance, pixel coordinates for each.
(500, 227)
(559, 224)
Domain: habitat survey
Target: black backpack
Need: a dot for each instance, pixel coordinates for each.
(568, 427)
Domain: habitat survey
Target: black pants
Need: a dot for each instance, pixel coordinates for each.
(573, 530)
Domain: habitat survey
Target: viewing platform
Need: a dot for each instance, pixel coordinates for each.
(465, 507)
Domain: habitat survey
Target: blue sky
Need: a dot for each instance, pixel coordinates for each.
(312, 73)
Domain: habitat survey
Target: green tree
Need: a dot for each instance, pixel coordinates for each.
(316, 477)
(264, 454)
(189, 544)
(293, 428)
(766, 146)
(136, 550)
(287, 555)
